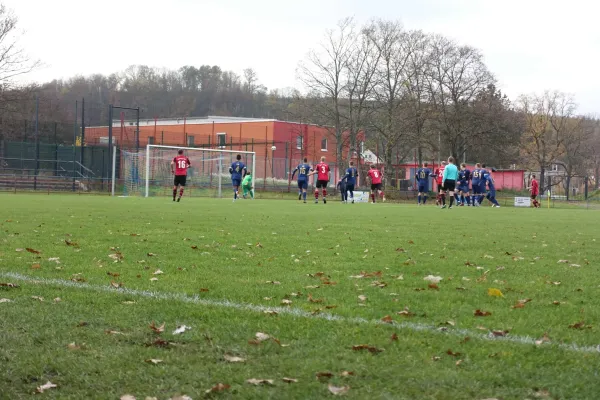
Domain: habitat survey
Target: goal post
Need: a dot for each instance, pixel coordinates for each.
(209, 169)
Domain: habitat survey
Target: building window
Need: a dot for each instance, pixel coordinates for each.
(324, 144)
(299, 140)
(150, 139)
(190, 140)
(221, 140)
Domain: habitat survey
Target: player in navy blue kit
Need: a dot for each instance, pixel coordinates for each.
(491, 196)
(422, 177)
(343, 188)
(237, 171)
(475, 184)
(483, 174)
(464, 176)
(350, 178)
(303, 171)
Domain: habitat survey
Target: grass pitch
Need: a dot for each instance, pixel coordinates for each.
(339, 289)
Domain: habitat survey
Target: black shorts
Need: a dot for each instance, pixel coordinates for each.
(440, 188)
(533, 196)
(375, 186)
(322, 184)
(179, 180)
(450, 185)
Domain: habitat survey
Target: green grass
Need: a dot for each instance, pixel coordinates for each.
(212, 251)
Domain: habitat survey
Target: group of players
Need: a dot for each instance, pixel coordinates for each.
(451, 181)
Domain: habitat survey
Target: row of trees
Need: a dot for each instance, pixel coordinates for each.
(416, 91)
(407, 91)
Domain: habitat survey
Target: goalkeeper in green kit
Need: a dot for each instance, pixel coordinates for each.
(247, 185)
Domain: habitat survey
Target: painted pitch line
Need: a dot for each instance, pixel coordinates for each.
(417, 327)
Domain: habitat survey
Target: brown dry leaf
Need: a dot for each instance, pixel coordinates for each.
(115, 284)
(400, 250)
(411, 242)
(290, 380)
(541, 393)
(134, 234)
(479, 313)
(362, 297)
(556, 303)
(347, 373)
(453, 354)
(203, 290)
(387, 319)
(330, 307)
(563, 261)
(73, 346)
(219, 387)
(372, 349)
(580, 325)
(113, 274)
(270, 312)
(458, 363)
(233, 359)
(82, 324)
(499, 333)
(153, 361)
(274, 282)
(286, 302)
(258, 382)
(338, 391)
(127, 397)
(36, 266)
(194, 247)
(327, 375)
(8, 285)
(545, 339)
(19, 250)
(261, 337)
(109, 332)
(151, 254)
(433, 286)
(313, 300)
(29, 249)
(157, 272)
(70, 243)
(157, 329)
(46, 386)
(394, 337)
(38, 298)
(159, 343)
(5, 301)
(518, 305)
(181, 397)
(436, 358)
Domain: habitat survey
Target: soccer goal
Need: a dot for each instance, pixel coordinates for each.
(148, 173)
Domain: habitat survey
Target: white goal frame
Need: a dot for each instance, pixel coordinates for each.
(149, 147)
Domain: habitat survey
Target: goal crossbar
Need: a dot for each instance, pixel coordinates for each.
(149, 148)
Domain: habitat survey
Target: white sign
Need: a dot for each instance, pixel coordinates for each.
(360, 197)
(522, 202)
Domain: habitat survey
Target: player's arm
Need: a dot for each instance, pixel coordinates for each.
(294, 172)
(189, 164)
(172, 164)
(444, 176)
(231, 169)
(245, 169)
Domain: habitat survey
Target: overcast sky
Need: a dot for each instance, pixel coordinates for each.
(530, 45)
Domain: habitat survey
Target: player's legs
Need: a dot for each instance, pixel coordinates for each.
(182, 180)
(468, 197)
(350, 189)
(175, 184)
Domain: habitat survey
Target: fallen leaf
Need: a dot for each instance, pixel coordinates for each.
(436, 358)
(411, 242)
(579, 325)
(259, 382)
(29, 249)
(488, 256)
(274, 282)
(5, 301)
(433, 286)
(38, 298)
(371, 349)
(394, 337)
(544, 339)
(400, 250)
(109, 332)
(233, 359)
(181, 397)
(159, 343)
(433, 279)
(19, 250)
(157, 272)
(500, 333)
(479, 313)
(387, 319)
(219, 387)
(73, 346)
(151, 254)
(153, 361)
(271, 312)
(70, 243)
(180, 329)
(338, 391)
(153, 279)
(36, 266)
(362, 297)
(458, 363)
(494, 292)
(327, 375)
(46, 386)
(157, 329)
(405, 313)
(286, 302)
(127, 397)
(290, 380)
(453, 354)
(261, 337)
(563, 261)
(313, 300)
(347, 373)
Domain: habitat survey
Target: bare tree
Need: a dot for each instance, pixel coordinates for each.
(323, 75)
(395, 47)
(456, 76)
(13, 60)
(547, 122)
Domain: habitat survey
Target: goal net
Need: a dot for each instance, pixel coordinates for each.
(148, 173)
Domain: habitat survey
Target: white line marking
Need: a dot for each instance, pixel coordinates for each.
(295, 312)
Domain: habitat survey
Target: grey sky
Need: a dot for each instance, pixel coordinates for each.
(530, 45)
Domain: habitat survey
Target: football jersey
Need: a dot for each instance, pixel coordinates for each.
(535, 188)
(375, 176)
(351, 174)
(440, 174)
(303, 170)
(423, 175)
(236, 169)
(322, 171)
(181, 165)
